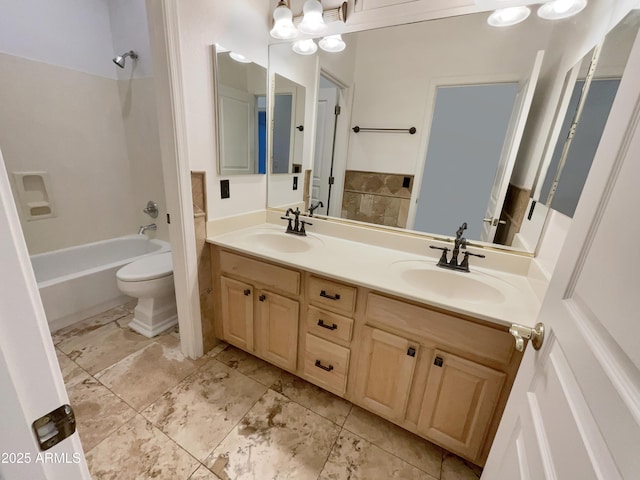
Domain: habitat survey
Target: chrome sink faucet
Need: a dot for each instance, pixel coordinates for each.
(459, 243)
(144, 228)
(297, 227)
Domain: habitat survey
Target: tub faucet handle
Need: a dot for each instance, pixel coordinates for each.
(151, 209)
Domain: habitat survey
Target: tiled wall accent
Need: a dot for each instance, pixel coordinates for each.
(205, 284)
(513, 212)
(380, 198)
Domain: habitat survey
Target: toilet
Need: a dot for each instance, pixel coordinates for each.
(150, 280)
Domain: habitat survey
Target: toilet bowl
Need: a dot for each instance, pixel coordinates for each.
(150, 280)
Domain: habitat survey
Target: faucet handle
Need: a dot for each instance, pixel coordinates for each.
(479, 255)
(443, 258)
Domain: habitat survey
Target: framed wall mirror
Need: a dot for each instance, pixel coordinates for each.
(404, 167)
(241, 98)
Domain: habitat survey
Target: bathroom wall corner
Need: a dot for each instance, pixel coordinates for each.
(205, 284)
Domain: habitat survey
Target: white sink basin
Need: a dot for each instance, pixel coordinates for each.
(281, 242)
(471, 287)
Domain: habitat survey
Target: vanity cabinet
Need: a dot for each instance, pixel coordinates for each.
(385, 372)
(441, 375)
(254, 317)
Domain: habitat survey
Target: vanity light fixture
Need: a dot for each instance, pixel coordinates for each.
(239, 58)
(305, 47)
(506, 17)
(559, 9)
(332, 43)
(283, 27)
(312, 22)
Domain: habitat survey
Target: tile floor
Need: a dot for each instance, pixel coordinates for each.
(145, 411)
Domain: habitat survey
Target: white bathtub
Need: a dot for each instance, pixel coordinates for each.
(78, 282)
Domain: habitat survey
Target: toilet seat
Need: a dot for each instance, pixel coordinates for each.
(150, 268)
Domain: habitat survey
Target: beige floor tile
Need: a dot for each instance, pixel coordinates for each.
(88, 325)
(217, 349)
(98, 411)
(395, 440)
(314, 398)
(203, 474)
(130, 305)
(71, 372)
(353, 458)
(142, 377)
(200, 411)
(251, 366)
(278, 439)
(100, 348)
(455, 468)
(138, 450)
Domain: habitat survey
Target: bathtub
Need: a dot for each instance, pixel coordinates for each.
(78, 282)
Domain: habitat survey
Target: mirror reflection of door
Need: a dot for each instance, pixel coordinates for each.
(282, 124)
(237, 130)
(328, 98)
(467, 135)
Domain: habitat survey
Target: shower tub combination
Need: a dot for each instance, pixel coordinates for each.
(78, 282)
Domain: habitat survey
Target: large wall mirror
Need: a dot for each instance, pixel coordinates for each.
(241, 97)
(441, 107)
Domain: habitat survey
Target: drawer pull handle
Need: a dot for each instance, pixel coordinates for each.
(320, 365)
(321, 323)
(438, 362)
(247, 292)
(262, 298)
(324, 294)
(411, 352)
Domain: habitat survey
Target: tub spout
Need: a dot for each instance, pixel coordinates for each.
(144, 228)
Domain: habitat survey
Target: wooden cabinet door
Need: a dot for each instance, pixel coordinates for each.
(237, 313)
(277, 329)
(460, 398)
(385, 372)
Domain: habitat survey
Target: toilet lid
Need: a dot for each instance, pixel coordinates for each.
(149, 268)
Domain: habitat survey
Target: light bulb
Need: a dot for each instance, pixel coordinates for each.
(332, 43)
(508, 16)
(305, 47)
(239, 58)
(312, 22)
(283, 27)
(559, 9)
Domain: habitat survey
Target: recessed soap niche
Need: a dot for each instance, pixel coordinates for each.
(34, 193)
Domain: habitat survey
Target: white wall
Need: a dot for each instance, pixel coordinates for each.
(70, 33)
(241, 26)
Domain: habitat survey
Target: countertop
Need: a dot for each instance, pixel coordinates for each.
(511, 298)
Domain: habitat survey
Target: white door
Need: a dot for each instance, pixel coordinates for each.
(31, 384)
(510, 152)
(574, 411)
(237, 113)
(325, 128)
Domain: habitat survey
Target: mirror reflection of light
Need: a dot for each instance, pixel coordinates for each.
(239, 58)
(312, 22)
(559, 9)
(305, 47)
(332, 43)
(508, 16)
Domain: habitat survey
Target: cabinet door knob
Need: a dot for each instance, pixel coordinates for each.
(438, 362)
(262, 298)
(247, 292)
(411, 352)
(321, 323)
(324, 294)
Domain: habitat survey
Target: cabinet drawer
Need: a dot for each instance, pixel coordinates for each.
(484, 342)
(329, 325)
(275, 277)
(326, 364)
(332, 295)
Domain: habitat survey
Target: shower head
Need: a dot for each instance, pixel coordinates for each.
(120, 59)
